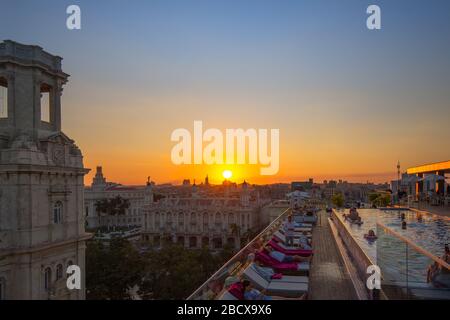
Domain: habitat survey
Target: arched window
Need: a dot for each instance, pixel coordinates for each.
(57, 212)
(180, 218)
(3, 98)
(230, 218)
(47, 278)
(45, 102)
(2, 289)
(59, 271)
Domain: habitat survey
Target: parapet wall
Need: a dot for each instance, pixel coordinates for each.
(359, 258)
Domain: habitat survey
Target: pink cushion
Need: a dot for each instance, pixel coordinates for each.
(267, 260)
(237, 290)
(290, 252)
(277, 276)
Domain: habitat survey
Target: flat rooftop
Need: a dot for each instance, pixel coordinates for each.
(430, 168)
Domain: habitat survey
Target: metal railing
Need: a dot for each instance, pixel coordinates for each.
(211, 288)
(410, 271)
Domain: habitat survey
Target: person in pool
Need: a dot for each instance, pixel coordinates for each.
(435, 269)
(371, 234)
(250, 293)
(353, 215)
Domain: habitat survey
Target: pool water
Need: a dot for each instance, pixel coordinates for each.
(391, 254)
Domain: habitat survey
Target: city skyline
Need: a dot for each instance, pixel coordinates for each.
(349, 102)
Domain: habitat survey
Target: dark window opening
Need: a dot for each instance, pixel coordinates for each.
(3, 98)
(45, 103)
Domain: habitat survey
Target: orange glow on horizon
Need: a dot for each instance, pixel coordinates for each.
(227, 174)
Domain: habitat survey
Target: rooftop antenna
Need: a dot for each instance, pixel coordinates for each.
(398, 178)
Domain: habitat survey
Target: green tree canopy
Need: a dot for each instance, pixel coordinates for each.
(338, 200)
(171, 272)
(112, 207)
(112, 270)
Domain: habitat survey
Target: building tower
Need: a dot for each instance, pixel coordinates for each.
(194, 191)
(41, 180)
(148, 198)
(245, 196)
(99, 181)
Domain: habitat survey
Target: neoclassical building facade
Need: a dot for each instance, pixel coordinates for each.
(41, 179)
(201, 220)
(101, 189)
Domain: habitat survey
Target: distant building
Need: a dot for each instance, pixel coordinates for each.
(273, 210)
(210, 217)
(302, 185)
(100, 189)
(425, 183)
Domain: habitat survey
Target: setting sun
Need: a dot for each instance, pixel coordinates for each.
(227, 174)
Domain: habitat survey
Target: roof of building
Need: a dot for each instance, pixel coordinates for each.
(430, 168)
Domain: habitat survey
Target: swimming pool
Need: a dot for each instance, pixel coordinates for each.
(399, 263)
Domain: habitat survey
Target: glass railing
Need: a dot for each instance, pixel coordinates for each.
(211, 289)
(408, 270)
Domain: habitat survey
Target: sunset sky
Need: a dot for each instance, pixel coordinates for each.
(349, 102)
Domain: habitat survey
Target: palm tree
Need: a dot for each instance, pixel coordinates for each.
(112, 207)
(248, 236)
(236, 231)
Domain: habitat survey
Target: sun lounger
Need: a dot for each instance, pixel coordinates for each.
(284, 289)
(303, 225)
(297, 234)
(284, 278)
(282, 267)
(281, 237)
(296, 245)
(290, 252)
(305, 219)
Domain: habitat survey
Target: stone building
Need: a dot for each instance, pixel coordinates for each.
(101, 189)
(41, 179)
(202, 219)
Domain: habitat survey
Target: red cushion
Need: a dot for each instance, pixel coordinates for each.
(237, 290)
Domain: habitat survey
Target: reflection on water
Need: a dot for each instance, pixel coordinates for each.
(399, 262)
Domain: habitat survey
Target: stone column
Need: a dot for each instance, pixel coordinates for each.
(55, 98)
(11, 98)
